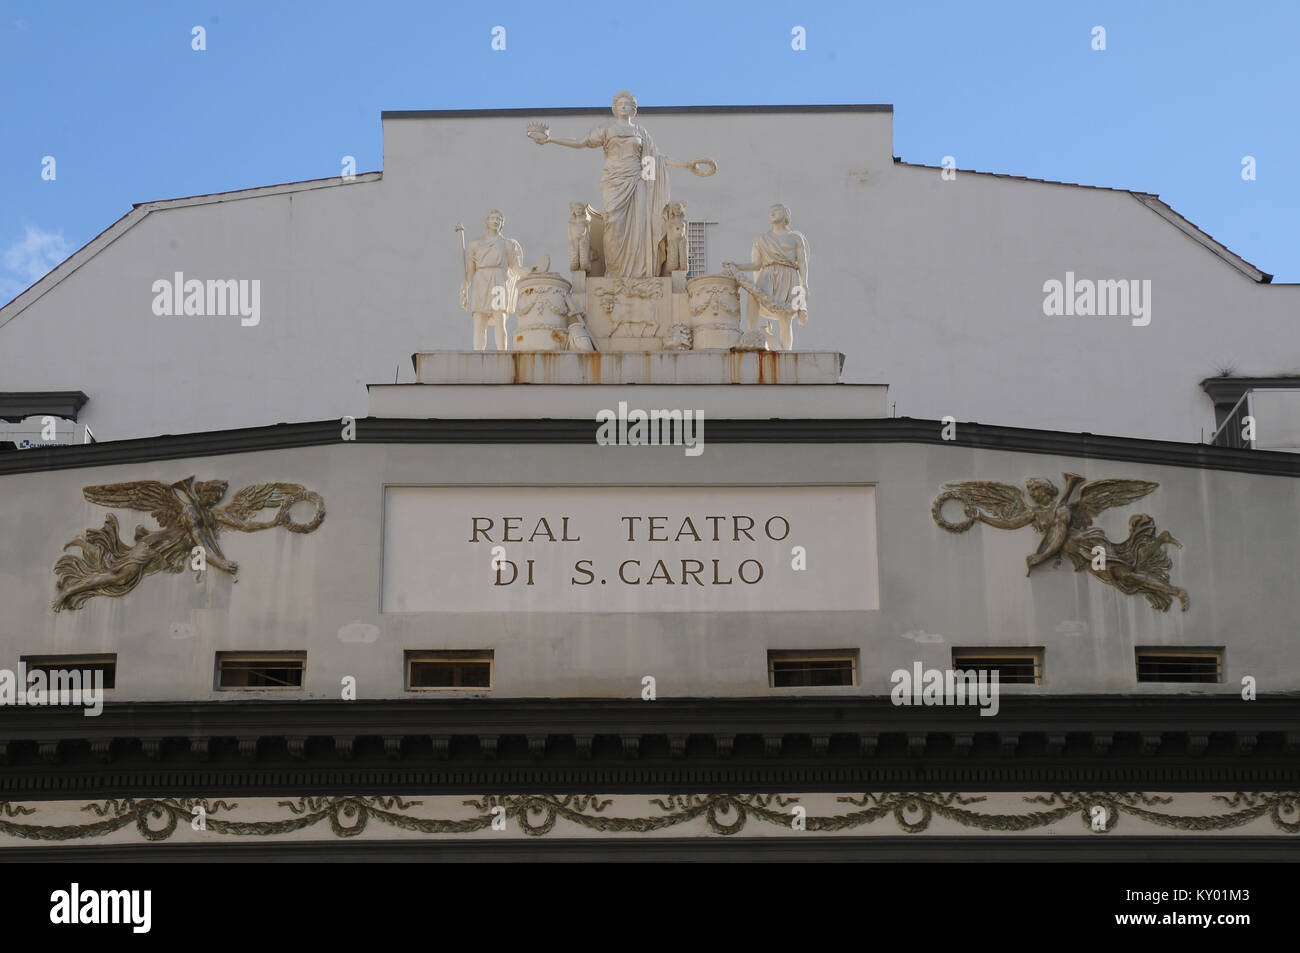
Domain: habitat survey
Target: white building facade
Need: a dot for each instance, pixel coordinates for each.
(347, 603)
(932, 285)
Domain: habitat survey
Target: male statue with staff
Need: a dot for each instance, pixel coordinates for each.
(489, 272)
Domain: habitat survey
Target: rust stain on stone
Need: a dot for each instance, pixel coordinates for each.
(769, 367)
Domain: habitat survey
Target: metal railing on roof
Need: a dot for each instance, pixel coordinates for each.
(1233, 432)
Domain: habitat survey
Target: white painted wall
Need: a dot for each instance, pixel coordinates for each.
(302, 592)
(932, 287)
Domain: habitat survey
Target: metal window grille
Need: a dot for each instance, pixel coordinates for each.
(697, 252)
(811, 669)
(1013, 668)
(1162, 665)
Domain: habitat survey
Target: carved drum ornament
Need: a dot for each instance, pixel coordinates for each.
(543, 313)
(713, 302)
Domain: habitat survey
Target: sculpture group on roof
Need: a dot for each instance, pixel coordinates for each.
(630, 285)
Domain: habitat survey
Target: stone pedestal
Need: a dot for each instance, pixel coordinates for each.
(646, 367)
(629, 314)
(728, 385)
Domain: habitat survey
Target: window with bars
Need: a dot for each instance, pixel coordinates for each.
(1165, 664)
(247, 670)
(697, 248)
(1014, 666)
(427, 671)
(812, 669)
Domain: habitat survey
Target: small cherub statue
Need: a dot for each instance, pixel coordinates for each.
(579, 237)
(675, 235)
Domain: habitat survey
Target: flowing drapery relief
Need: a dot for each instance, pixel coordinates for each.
(634, 189)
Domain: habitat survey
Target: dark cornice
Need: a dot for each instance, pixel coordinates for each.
(435, 431)
(1084, 742)
(641, 111)
(1118, 712)
(18, 405)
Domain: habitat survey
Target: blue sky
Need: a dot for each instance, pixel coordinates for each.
(131, 113)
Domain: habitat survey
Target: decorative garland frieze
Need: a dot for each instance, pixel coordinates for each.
(192, 820)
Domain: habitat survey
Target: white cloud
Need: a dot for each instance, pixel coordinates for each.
(34, 254)
(10, 289)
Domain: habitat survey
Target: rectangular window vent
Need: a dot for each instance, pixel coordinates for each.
(74, 663)
(1179, 665)
(812, 669)
(427, 671)
(260, 670)
(1014, 666)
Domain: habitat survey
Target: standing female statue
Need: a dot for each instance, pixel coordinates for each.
(633, 188)
(779, 292)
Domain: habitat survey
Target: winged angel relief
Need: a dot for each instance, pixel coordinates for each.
(189, 517)
(1138, 564)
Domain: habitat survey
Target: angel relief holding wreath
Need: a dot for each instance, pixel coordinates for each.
(1135, 565)
(189, 517)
